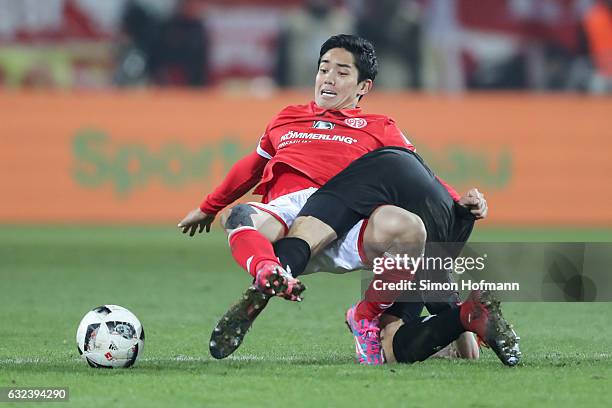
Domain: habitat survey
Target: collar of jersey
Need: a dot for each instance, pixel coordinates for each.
(349, 113)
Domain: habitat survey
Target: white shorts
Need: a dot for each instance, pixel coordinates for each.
(343, 255)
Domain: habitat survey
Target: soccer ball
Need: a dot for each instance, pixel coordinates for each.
(110, 336)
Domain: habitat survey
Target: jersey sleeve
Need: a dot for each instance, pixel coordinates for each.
(242, 177)
(453, 193)
(265, 147)
(393, 136)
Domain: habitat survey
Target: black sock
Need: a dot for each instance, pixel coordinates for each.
(422, 338)
(293, 253)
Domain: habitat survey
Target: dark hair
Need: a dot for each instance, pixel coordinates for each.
(362, 50)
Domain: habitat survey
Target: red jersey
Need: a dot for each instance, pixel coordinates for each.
(304, 146)
(319, 143)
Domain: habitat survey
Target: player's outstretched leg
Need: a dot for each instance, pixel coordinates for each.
(481, 314)
(368, 348)
(229, 332)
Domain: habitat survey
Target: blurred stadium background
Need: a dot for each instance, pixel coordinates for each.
(118, 116)
(131, 110)
(433, 45)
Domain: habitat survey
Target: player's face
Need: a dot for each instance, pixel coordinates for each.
(336, 85)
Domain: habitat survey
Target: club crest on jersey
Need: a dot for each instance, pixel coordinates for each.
(356, 123)
(321, 124)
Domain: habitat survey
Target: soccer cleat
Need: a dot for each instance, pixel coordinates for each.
(367, 339)
(229, 332)
(231, 329)
(272, 279)
(481, 314)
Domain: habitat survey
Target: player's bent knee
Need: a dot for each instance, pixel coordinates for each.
(398, 225)
(393, 230)
(239, 216)
(246, 215)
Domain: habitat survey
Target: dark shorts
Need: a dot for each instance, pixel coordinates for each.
(390, 176)
(399, 177)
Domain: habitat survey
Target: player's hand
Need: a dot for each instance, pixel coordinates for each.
(196, 220)
(474, 201)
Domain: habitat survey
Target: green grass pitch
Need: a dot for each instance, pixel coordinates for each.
(296, 355)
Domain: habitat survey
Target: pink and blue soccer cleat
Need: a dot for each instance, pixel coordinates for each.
(367, 339)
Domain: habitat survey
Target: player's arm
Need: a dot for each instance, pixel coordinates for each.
(473, 200)
(242, 177)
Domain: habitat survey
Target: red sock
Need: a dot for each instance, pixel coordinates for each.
(370, 310)
(249, 247)
(376, 301)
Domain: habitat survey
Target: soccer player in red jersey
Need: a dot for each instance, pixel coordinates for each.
(397, 181)
(301, 149)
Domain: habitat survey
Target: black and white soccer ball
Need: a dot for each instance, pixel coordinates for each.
(110, 336)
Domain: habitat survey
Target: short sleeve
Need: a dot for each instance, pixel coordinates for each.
(394, 137)
(265, 148)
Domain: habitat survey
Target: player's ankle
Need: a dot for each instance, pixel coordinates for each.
(367, 310)
(259, 264)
